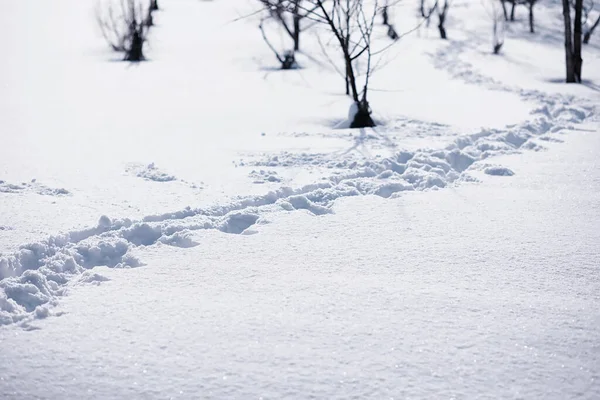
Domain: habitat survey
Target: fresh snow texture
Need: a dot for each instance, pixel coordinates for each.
(205, 225)
(51, 263)
(461, 293)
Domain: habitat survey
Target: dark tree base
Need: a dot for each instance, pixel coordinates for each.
(362, 119)
(392, 34)
(135, 53)
(134, 57)
(149, 20)
(289, 61)
(442, 32)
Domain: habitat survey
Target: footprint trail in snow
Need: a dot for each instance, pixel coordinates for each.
(33, 278)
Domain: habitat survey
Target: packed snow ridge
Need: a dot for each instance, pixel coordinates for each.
(150, 172)
(32, 279)
(264, 176)
(32, 186)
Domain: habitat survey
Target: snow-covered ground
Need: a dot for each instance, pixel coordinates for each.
(486, 290)
(196, 226)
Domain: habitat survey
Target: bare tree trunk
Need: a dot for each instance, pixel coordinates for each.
(512, 10)
(531, 27)
(578, 61)
(441, 28)
(498, 42)
(153, 5)
(296, 32)
(504, 9)
(384, 15)
(568, 42)
(296, 22)
(362, 119)
(442, 19)
(287, 59)
(128, 31)
(347, 84)
(351, 79)
(282, 11)
(347, 44)
(149, 20)
(135, 54)
(589, 32)
(391, 32)
(339, 21)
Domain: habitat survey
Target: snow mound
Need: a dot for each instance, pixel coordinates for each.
(150, 172)
(548, 138)
(264, 176)
(179, 239)
(91, 277)
(289, 159)
(498, 171)
(32, 186)
(237, 223)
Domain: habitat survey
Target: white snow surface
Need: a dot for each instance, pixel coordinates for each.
(202, 225)
(468, 292)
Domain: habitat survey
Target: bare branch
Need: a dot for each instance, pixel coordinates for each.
(262, 30)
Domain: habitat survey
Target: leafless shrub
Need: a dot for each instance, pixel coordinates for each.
(125, 25)
(286, 58)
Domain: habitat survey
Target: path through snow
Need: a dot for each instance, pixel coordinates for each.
(485, 290)
(34, 277)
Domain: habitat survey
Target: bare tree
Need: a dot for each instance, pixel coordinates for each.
(573, 36)
(493, 10)
(442, 13)
(530, 5)
(498, 26)
(286, 58)
(385, 15)
(442, 7)
(512, 10)
(149, 21)
(290, 14)
(514, 3)
(124, 25)
(352, 27)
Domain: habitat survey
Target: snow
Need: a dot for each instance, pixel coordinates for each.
(205, 225)
(463, 293)
(498, 171)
